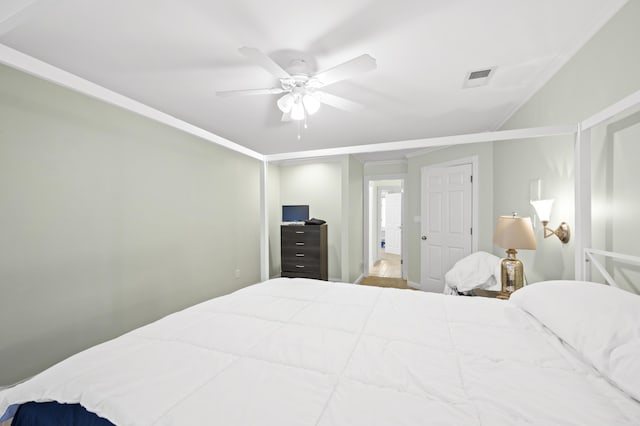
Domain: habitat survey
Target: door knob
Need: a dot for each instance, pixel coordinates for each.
(424, 237)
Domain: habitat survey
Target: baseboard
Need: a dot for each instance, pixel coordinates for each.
(414, 285)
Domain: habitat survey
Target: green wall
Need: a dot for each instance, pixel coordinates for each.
(604, 71)
(109, 221)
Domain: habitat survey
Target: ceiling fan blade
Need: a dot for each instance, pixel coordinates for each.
(286, 116)
(351, 68)
(259, 58)
(338, 102)
(249, 92)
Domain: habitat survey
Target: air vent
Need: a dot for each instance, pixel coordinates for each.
(479, 74)
(478, 78)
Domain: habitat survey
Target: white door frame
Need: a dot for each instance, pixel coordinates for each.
(367, 180)
(473, 160)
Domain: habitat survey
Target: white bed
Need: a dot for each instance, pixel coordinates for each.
(304, 352)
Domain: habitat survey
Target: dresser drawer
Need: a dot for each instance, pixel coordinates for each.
(299, 245)
(309, 267)
(298, 258)
(300, 234)
(300, 252)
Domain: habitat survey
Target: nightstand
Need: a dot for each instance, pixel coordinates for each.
(490, 293)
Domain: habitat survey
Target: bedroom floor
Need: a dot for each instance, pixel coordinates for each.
(387, 266)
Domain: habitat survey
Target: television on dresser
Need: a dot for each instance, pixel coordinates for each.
(297, 213)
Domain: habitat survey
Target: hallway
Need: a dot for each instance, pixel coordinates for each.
(387, 266)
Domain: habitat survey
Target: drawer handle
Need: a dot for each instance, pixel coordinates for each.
(299, 244)
(299, 232)
(299, 254)
(299, 266)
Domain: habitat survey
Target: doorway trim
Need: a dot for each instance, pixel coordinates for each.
(366, 224)
(474, 161)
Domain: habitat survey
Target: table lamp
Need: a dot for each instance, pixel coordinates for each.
(513, 232)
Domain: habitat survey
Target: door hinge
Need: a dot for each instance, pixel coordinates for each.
(471, 231)
(471, 178)
(401, 261)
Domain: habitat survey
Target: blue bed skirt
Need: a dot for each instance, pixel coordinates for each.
(56, 414)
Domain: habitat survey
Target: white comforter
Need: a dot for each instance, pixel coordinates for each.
(303, 352)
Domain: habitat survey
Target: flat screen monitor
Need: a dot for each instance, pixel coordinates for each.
(295, 213)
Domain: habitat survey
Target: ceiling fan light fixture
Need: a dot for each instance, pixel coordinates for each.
(286, 103)
(299, 87)
(297, 110)
(311, 104)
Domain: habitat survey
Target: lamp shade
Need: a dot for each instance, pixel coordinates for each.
(543, 209)
(286, 102)
(311, 104)
(297, 111)
(514, 232)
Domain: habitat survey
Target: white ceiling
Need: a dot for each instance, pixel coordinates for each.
(174, 56)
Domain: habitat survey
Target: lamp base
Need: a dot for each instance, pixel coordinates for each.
(512, 272)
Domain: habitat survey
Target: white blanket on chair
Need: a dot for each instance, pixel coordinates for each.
(478, 270)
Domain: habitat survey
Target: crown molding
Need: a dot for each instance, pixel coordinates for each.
(500, 135)
(385, 162)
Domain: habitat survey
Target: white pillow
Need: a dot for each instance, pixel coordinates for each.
(601, 323)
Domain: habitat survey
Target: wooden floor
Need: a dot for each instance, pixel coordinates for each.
(386, 272)
(386, 282)
(388, 266)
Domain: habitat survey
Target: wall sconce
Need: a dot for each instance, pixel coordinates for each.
(543, 210)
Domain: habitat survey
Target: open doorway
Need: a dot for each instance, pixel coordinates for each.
(384, 236)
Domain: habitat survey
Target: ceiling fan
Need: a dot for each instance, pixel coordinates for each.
(302, 96)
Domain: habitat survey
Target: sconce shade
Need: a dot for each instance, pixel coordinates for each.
(514, 233)
(543, 209)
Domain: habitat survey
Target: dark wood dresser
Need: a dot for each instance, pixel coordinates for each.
(303, 251)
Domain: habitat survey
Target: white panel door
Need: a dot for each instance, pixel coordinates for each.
(393, 228)
(446, 217)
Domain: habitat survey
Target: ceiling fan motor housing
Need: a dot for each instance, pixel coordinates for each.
(298, 67)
